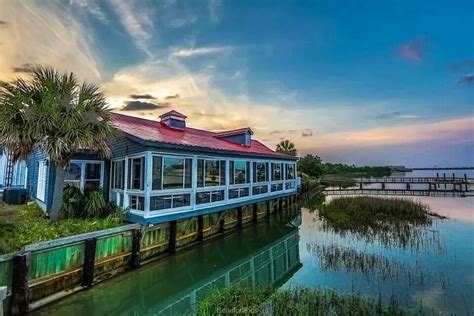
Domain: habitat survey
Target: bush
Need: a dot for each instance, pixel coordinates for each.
(89, 205)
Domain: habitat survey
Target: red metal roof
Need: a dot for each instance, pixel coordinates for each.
(234, 132)
(154, 131)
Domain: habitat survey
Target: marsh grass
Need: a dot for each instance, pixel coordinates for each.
(297, 301)
(394, 222)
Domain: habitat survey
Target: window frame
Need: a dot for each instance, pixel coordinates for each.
(83, 163)
(185, 158)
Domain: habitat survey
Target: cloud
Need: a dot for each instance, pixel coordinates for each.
(213, 8)
(413, 50)
(25, 68)
(307, 133)
(276, 132)
(92, 7)
(467, 79)
(396, 115)
(141, 97)
(168, 97)
(192, 52)
(143, 106)
(136, 21)
(183, 21)
(46, 33)
(3, 23)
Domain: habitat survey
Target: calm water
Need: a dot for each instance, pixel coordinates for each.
(432, 267)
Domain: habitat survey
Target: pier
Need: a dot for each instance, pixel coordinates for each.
(410, 186)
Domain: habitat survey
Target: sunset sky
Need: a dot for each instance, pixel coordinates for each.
(364, 82)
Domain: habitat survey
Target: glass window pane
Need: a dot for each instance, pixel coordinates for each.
(276, 172)
(136, 173)
(222, 167)
(118, 169)
(72, 176)
(217, 196)
(231, 172)
(160, 202)
(136, 202)
(188, 173)
(212, 176)
(173, 170)
(92, 171)
(240, 172)
(200, 173)
(181, 200)
(261, 172)
(156, 173)
(203, 197)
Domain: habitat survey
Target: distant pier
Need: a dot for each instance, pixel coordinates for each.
(411, 186)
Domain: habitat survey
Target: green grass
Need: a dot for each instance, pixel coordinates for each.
(21, 225)
(374, 212)
(298, 301)
(393, 222)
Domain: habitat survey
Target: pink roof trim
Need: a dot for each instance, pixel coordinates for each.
(154, 131)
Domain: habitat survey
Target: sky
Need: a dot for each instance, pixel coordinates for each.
(358, 82)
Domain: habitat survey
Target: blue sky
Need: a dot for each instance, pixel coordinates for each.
(365, 82)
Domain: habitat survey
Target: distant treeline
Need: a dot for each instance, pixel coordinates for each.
(313, 166)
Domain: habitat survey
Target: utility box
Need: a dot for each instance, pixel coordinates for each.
(14, 196)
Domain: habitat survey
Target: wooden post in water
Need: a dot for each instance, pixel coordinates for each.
(173, 232)
(239, 216)
(136, 239)
(200, 232)
(89, 262)
(268, 209)
(280, 204)
(255, 212)
(20, 290)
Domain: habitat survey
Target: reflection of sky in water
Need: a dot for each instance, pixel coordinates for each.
(438, 271)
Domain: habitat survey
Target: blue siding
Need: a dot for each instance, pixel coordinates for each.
(122, 147)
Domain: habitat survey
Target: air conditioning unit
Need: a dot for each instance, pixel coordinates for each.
(14, 196)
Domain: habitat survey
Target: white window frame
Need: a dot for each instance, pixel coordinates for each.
(83, 163)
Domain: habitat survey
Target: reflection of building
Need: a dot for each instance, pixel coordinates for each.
(273, 265)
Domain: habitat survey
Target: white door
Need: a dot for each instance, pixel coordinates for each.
(41, 188)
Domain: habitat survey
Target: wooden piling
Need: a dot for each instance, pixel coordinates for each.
(20, 291)
(239, 216)
(89, 262)
(200, 232)
(268, 209)
(136, 239)
(254, 212)
(280, 204)
(172, 241)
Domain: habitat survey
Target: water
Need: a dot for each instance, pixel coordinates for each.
(433, 268)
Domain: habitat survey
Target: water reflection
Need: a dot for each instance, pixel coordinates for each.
(266, 254)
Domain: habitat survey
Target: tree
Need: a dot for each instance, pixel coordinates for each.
(311, 165)
(286, 147)
(54, 113)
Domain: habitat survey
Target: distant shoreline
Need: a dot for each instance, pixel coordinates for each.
(441, 168)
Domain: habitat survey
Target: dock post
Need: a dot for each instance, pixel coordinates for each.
(268, 209)
(280, 204)
(221, 222)
(408, 186)
(239, 216)
(200, 232)
(89, 262)
(172, 241)
(255, 212)
(383, 185)
(136, 238)
(20, 290)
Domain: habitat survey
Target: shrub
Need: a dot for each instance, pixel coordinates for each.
(73, 202)
(95, 204)
(89, 205)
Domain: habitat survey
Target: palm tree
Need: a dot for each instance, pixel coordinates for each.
(286, 147)
(53, 113)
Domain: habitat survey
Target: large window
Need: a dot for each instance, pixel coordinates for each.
(238, 193)
(136, 173)
(209, 196)
(157, 173)
(210, 173)
(277, 172)
(290, 171)
(260, 173)
(118, 174)
(86, 175)
(239, 172)
(177, 173)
